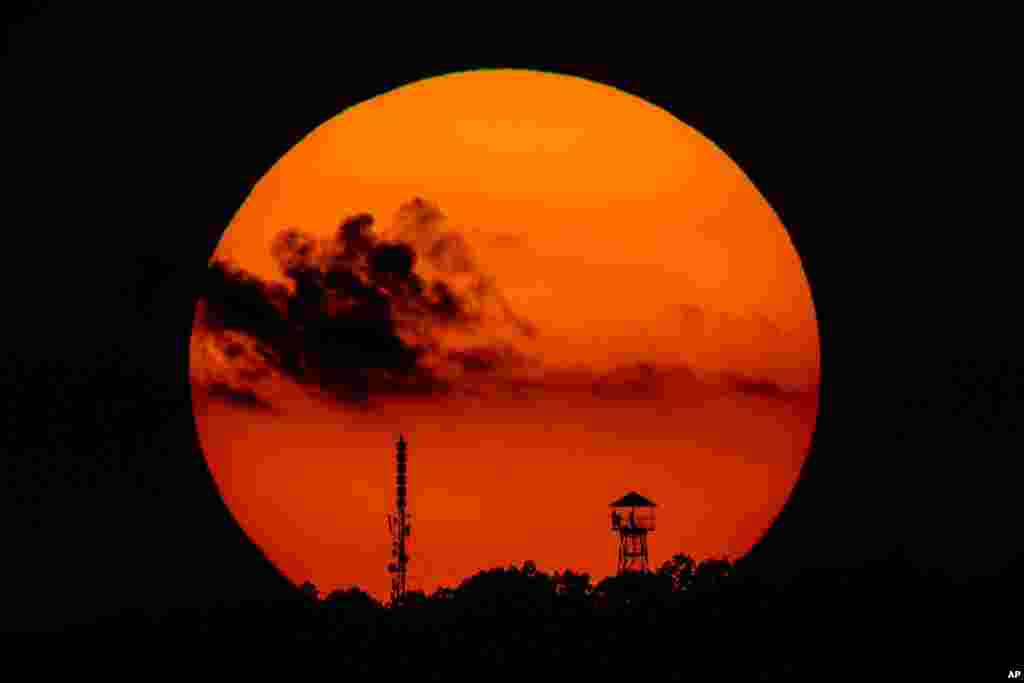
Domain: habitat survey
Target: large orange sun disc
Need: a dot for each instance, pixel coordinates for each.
(559, 293)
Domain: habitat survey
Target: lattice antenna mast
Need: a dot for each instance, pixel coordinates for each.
(400, 529)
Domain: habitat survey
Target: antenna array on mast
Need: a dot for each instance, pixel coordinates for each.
(399, 528)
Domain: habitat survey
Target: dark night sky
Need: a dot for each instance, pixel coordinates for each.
(130, 142)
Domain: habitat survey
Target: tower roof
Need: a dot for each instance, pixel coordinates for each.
(632, 500)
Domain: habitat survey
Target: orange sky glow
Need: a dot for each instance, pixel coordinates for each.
(635, 313)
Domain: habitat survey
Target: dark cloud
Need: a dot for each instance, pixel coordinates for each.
(750, 326)
(487, 359)
(234, 349)
(641, 380)
(754, 341)
(423, 226)
(239, 396)
(359, 319)
(522, 325)
(646, 380)
(391, 261)
(761, 387)
(649, 381)
(450, 254)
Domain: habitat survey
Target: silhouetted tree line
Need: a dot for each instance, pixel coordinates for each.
(683, 618)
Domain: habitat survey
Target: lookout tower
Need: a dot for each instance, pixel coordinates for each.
(400, 529)
(632, 518)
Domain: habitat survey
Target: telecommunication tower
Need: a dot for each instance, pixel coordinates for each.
(400, 529)
(633, 518)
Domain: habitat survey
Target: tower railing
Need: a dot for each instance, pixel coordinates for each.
(641, 522)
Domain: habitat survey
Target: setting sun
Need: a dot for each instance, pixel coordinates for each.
(557, 291)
